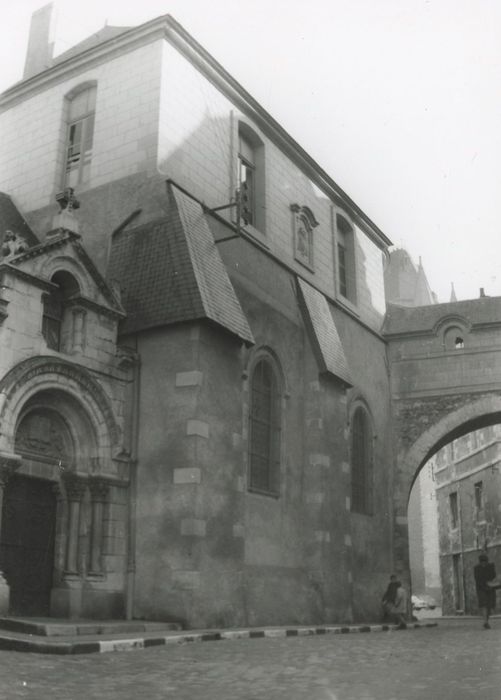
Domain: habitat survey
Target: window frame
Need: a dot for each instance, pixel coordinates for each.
(454, 509)
(362, 473)
(251, 156)
(86, 120)
(345, 259)
(274, 426)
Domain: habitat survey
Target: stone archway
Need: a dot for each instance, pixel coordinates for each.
(61, 433)
(442, 426)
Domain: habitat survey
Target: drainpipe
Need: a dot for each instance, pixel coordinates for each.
(131, 544)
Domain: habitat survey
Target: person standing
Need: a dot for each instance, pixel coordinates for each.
(484, 572)
(388, 600)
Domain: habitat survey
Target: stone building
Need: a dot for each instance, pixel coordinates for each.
(194, 392)
(468, 482)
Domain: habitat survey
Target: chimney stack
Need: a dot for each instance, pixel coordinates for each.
(482, 292)
(40, 42)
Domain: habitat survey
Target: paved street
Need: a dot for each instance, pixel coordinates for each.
(438, 663)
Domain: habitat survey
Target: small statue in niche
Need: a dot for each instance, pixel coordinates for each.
(13, 244)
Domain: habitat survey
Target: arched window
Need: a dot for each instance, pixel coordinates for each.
(80, 136)
(361, 462)
(55, 319)
(264, 428)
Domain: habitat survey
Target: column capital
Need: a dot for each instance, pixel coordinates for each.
(99, 488)
(9, 463)
(75, 485)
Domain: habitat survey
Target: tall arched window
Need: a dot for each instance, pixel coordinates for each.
(264, 428)
(361, 462)
(80, 136)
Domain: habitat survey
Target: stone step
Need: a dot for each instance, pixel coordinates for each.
(50, 627)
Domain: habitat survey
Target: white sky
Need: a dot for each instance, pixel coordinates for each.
(399, 100)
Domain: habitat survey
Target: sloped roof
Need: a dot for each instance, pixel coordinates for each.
(11, 220)
(102, 35)
(324, 335)
(171, 271)
(424, 319)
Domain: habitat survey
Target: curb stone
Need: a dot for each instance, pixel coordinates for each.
(132, 644)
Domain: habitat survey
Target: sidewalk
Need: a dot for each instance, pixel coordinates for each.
(89, 643)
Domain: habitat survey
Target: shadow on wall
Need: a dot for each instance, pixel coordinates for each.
(214, 160)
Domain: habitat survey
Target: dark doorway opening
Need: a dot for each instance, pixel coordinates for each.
(27, 544)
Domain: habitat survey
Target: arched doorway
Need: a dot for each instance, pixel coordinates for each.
(29, 514)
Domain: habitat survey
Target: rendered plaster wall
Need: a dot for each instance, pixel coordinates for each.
(32, 148)
(198, 148)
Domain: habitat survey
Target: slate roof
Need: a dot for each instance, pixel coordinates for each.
(11, 220)
(324, 335)
(170, 271)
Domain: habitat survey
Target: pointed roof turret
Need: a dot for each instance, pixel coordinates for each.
(422, 294)
(453, 293)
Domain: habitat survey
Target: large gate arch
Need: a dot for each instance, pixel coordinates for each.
(471, 415)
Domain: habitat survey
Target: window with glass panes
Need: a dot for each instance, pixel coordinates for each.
(246, 181)
(80, 136)
(264, 429)
(361, 462)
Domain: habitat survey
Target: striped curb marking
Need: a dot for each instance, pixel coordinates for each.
(110, 645)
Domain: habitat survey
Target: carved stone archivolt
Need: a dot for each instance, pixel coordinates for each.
(36, 367)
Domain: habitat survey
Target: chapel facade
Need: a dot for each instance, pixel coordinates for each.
(195, 403)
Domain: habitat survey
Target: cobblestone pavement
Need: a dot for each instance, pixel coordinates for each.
(436, 664)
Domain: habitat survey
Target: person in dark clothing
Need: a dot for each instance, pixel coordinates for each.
(389, 596)
(483, 572)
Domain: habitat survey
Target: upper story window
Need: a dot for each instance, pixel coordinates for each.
(80, 135)
(361, 462)
(345, 257)
(454, 509)
(454, 337)
(247, 181)
(264, 427)
(479, 500)
(56, 321)
(251, 186)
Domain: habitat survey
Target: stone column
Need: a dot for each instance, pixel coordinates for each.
(99, 489)
(75, 489)
(8, 465)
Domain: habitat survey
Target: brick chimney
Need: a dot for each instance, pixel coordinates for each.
(40, 42)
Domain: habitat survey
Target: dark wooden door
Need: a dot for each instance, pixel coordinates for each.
(27, 544)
